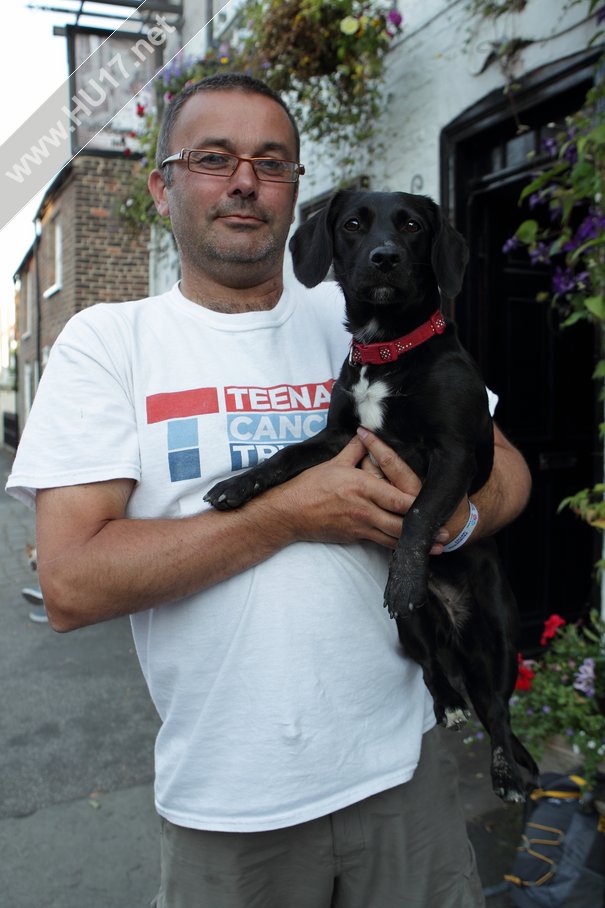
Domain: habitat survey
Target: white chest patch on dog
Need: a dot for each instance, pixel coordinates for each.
(370, 399)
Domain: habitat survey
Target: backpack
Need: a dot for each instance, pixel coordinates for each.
(561, 859)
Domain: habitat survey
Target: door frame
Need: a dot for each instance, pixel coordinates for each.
(546, 94)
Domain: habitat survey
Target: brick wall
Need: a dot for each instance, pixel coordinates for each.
(85, 255)
(102, 261)
(113, 265)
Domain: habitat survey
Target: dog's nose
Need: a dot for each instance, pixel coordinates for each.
(385, 258)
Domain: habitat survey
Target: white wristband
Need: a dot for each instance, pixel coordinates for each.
(463, 535)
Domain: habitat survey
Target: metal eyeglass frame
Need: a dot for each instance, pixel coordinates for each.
(184, 155)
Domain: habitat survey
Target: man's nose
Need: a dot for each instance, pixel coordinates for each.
(243, 180)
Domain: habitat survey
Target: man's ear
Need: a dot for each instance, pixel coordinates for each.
(157, 188)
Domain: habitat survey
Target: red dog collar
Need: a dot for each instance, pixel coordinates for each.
(377, 354)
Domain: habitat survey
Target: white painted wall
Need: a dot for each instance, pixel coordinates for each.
(434, 75)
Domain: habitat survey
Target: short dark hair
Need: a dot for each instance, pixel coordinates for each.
(229, 81)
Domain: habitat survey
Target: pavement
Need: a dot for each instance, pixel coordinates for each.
(77, 823)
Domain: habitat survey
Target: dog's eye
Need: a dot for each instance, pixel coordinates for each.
(411, 226)
(352, 224)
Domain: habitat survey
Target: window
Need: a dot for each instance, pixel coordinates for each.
(28, 388)
(55, 257)
(28, 300)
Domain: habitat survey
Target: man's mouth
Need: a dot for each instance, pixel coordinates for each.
(241, 218)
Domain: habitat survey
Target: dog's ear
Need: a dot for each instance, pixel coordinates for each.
(312, 246)
(449, 257)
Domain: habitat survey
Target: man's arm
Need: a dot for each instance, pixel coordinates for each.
(95, 564)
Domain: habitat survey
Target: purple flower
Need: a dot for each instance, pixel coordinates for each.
(534, 200)
(539, 254)
(585, 678)
(571, 154)
(545, 709)
(600, 15)
(582, 280)
(590, 228)
(511, 244)
(551, 146)
(563, 281)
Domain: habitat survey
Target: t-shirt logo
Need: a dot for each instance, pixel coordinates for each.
(259, 421)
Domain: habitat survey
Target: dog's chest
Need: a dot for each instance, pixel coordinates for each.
(370, 399)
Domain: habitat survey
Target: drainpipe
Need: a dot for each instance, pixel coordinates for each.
(38, 363)
(210, 23)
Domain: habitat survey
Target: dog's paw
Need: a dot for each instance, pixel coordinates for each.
(233, 493)
(406, 588)
(456, 717)
(506, 781)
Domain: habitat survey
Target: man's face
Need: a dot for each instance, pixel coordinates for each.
(231, 229)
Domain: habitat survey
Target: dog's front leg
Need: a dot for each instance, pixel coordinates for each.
(447, 482)
(284, 465)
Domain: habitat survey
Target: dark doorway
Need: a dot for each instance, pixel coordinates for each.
(543, 375)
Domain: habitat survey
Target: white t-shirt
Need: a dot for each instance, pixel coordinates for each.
(283, 692)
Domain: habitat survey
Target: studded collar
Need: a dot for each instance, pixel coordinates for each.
(390, 351)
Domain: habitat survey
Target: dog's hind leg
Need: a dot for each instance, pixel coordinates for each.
(417, 636)
(507, 781)
(483, 677)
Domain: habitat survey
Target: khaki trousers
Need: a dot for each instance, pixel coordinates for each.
(403, 847)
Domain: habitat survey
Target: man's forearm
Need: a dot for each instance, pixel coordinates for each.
(96, 564)
(130, 565)
(506, 493)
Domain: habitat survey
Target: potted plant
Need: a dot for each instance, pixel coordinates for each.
(559, 701)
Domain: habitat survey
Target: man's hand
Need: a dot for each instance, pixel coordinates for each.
(500, 501)
(382, 461)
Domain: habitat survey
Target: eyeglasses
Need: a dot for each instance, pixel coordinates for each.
(272, 170)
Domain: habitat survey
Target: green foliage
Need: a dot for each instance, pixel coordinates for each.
(567, 194)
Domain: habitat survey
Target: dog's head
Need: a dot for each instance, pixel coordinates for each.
(385, 246)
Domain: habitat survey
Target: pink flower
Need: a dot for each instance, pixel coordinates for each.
(395, 17)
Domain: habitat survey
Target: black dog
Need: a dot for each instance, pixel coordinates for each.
(409, 380)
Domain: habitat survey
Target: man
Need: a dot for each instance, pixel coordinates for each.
(289, 771)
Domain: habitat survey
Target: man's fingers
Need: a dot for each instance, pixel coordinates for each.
(369, 465)
(352, 453)
(393, 467)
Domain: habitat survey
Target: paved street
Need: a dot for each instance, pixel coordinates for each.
(77, 823)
